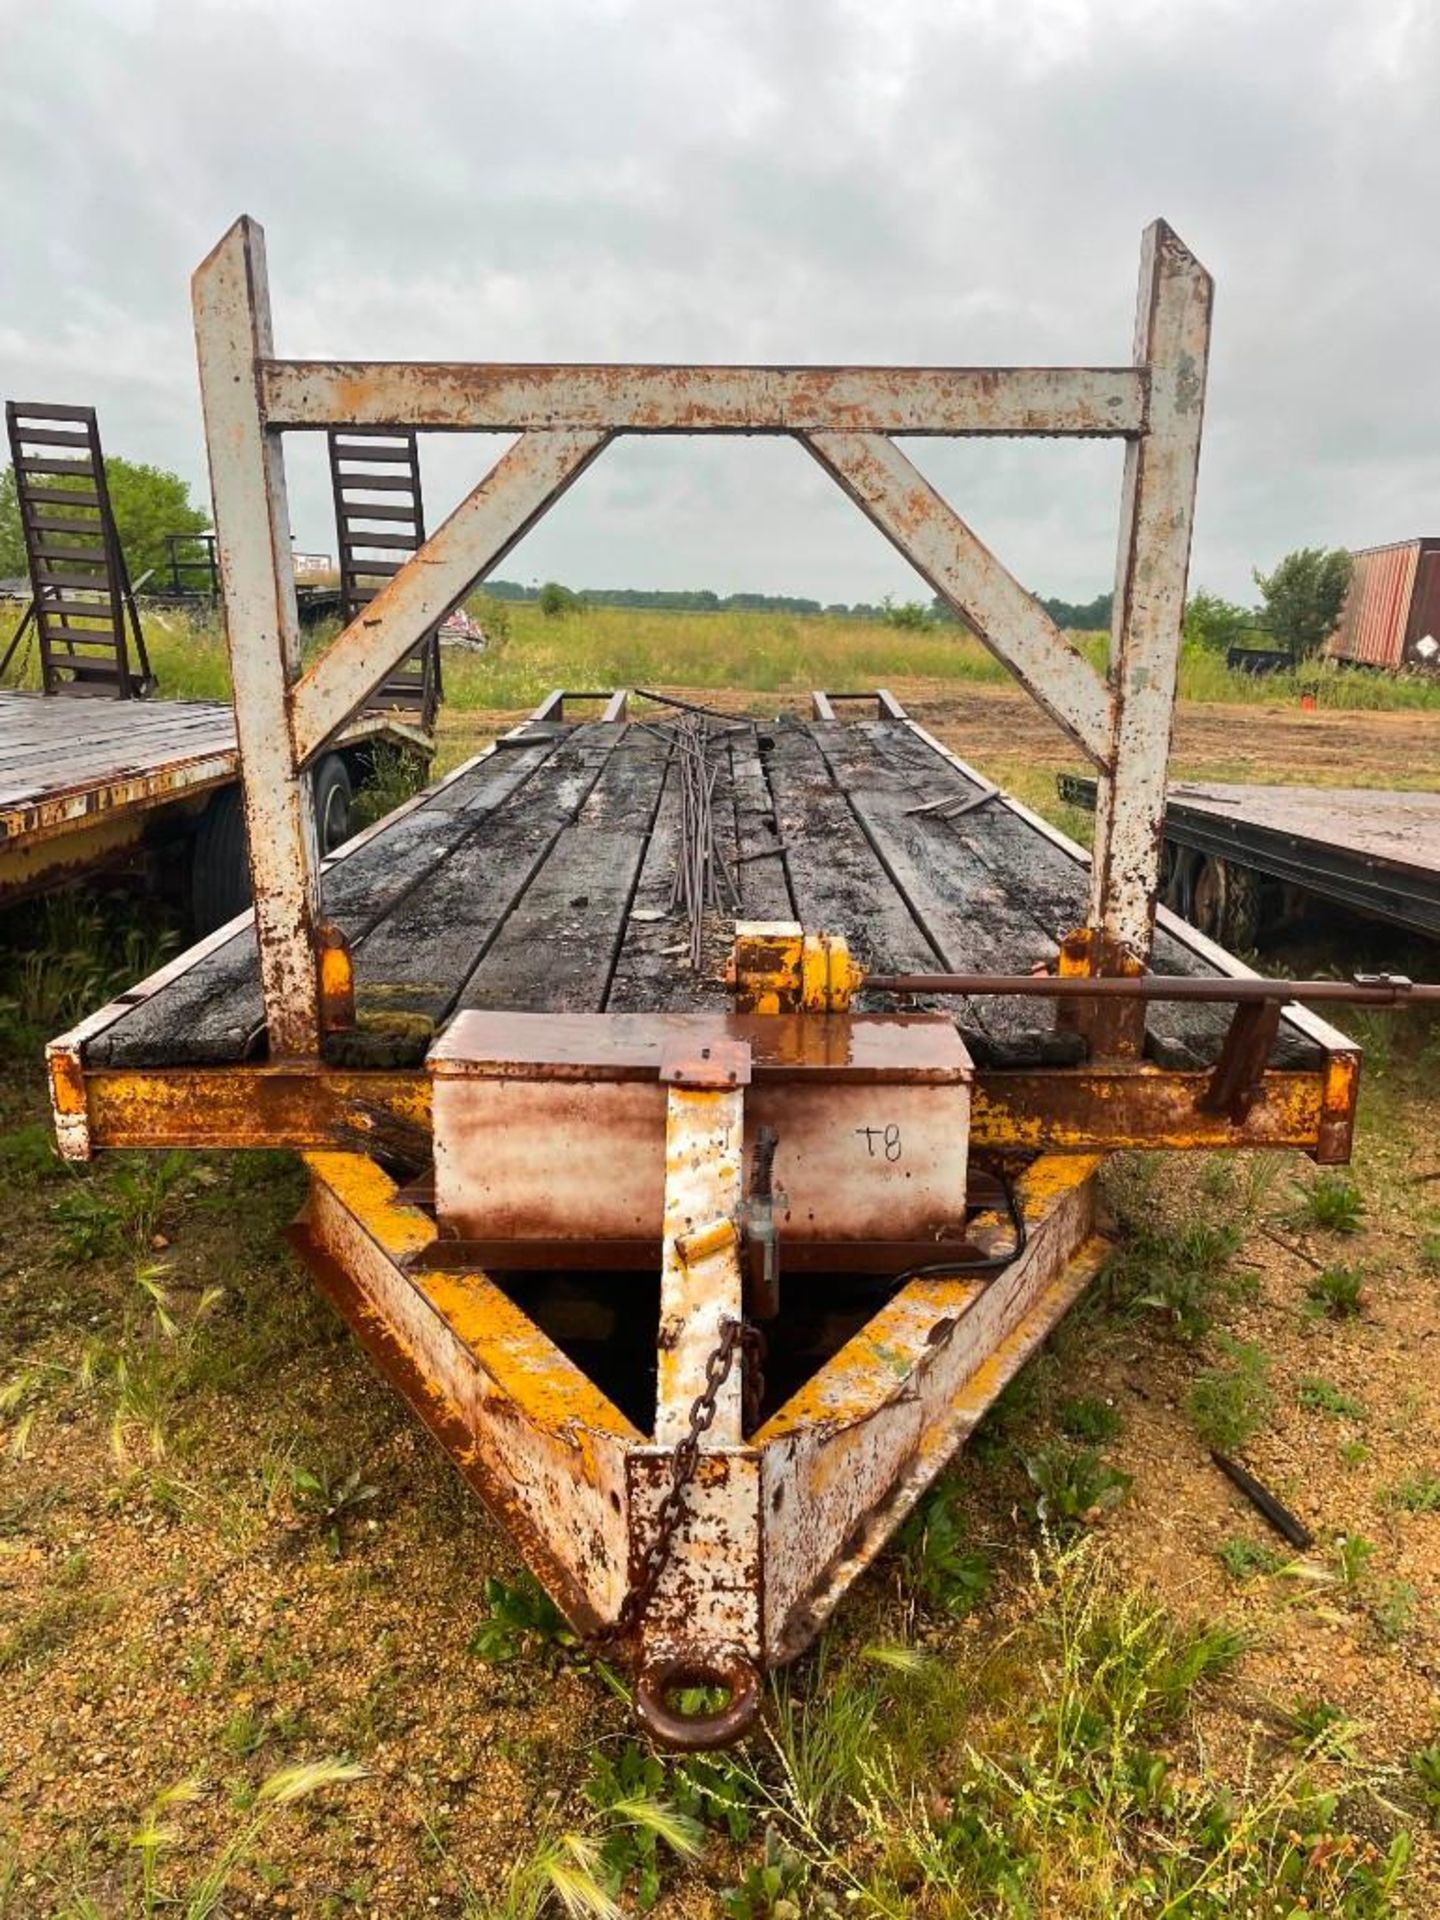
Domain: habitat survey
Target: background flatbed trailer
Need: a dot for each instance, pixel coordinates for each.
(1235, 855)
(88, 784)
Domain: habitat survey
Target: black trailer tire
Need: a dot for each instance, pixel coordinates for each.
(333, 795)
(1225, 903)
(1207, 897)
(1242, 908)
(1172, 876)
(1180, 889)
(220, 862)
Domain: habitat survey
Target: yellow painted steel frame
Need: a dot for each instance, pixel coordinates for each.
(309, 1106)
(46, 859)
(806, 1502)
(1093, 1109)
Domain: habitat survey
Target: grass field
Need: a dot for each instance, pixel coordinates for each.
(765, 653)
(261, 1654)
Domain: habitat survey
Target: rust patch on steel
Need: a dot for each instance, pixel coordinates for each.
(1081, 1109)
(1082, 401)
(1102, 1109)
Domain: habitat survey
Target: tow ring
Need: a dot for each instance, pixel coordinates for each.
(738, 1677)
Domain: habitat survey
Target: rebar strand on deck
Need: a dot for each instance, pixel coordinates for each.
(700, 866)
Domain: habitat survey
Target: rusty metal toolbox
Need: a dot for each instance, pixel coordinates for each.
(550, 1129)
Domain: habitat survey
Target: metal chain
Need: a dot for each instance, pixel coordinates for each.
(735, 1337)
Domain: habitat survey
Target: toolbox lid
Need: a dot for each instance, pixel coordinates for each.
(918, 1048)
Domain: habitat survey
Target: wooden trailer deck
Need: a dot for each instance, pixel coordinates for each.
(539, 877)
(84, 782)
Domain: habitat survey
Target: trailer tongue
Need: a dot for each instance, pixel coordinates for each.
(697, 1252)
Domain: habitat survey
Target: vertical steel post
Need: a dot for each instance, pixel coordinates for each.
(1172, 339)
(252, 524)
(701, 1286)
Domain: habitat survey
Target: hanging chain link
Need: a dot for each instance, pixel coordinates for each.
(735, 1337)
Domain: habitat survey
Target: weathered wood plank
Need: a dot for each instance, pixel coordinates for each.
(212, 1013)
(838, 881)
(1392, 826)
(78, 757)
(1029, 876)
(980, 924)
(763, 874)
(556, 950)
(39, 786)
(652, 969)
(416, 961)
(1034, 874)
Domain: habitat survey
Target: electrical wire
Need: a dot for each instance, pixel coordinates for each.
(980, 1263)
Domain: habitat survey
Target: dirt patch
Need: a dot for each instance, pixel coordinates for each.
(1260, 742)
(996, 726)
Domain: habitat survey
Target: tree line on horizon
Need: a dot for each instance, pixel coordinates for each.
(556, 598)
(1300, 598)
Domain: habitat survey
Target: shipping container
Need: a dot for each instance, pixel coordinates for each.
(1391, 617)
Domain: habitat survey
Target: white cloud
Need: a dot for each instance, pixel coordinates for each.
(949, 180)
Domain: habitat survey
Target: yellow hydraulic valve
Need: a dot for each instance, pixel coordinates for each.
(776, 967)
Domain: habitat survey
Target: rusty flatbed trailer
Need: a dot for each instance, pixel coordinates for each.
(538, 877)
(1237, 856)
(537, 881)
(89, 785)
(698, 1254)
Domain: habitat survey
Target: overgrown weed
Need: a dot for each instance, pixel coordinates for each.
(1229, 1404)
(1181, 1227)
(69, 952)
(946, 1790)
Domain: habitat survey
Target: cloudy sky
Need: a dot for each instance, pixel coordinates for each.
(805, 180)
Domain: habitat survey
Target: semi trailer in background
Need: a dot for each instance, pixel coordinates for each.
(1391, 616)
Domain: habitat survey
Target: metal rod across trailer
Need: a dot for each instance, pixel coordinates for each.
(582, 1021)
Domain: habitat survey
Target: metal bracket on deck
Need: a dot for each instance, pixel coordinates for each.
(1113, 1029)
(337, 979)
(1238, 1078)
(776, 967)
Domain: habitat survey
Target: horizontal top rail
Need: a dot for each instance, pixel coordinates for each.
(500, 397)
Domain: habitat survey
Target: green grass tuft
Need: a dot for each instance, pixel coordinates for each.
(1321, 1396)
(1338, 1292)
(1331, 1201)
(950, 1572)
(1230, 1404)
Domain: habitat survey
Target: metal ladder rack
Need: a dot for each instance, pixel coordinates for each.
(376, 538)
(83, 607)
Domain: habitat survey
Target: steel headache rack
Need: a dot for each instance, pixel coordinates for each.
(691, 1140)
